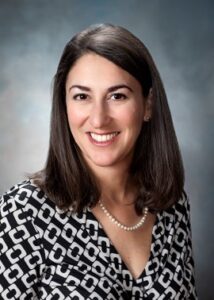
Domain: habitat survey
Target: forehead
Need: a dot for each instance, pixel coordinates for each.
(93, 69)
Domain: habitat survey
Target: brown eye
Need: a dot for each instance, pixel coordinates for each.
(118, 96)
(81, 96)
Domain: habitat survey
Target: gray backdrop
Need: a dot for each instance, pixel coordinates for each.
(179, 35)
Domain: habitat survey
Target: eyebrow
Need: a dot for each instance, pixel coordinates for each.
(110, 89)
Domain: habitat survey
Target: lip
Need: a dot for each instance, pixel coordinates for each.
(103, 143)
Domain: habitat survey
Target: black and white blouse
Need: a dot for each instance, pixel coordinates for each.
(48, 254)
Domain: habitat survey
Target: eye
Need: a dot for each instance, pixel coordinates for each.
(80, 96)
(118, 96)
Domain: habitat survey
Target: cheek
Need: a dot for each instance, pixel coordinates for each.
(75, 117)
(132, 117)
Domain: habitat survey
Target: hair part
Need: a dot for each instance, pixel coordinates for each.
(157, 166)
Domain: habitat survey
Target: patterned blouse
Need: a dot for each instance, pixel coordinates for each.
(49, 254)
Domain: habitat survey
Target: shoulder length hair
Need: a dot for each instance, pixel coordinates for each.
(157, 165)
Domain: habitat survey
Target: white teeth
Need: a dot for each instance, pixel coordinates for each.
(103, 137)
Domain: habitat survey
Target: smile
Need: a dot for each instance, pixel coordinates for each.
(102, 138)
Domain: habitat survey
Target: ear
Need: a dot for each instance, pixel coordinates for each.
(148, 106)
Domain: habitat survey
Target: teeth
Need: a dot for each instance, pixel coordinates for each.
(103, 137)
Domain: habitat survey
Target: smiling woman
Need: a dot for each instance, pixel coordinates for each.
(107, 217)
(105, 113)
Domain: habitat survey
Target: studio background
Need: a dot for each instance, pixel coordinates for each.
(179, 35)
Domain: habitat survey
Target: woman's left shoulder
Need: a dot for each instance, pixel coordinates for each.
(179, 212)
(182, 206)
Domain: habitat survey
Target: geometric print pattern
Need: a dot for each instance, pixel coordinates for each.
(49, 254)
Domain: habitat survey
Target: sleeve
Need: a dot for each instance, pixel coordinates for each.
(21, 251)
(189, 274)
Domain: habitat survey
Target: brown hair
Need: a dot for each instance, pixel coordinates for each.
(157, 165)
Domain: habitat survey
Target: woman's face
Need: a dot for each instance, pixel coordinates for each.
(105, 108)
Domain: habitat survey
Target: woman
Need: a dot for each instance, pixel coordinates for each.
(107, 218)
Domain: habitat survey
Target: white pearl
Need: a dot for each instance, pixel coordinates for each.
(116, 222)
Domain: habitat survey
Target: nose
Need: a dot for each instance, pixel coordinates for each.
(99, 115)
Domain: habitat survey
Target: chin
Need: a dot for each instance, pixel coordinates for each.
(103, 163)
(99, 161)
(109, 161)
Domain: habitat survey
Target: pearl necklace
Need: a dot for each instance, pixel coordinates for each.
(124, 227)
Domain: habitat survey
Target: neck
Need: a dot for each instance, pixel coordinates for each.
(116, 186)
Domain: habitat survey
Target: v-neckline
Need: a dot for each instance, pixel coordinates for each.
(139, 279)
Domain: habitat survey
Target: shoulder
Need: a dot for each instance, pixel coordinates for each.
(25, 203)
(180, 209)
(24, 196)
(176, 216)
